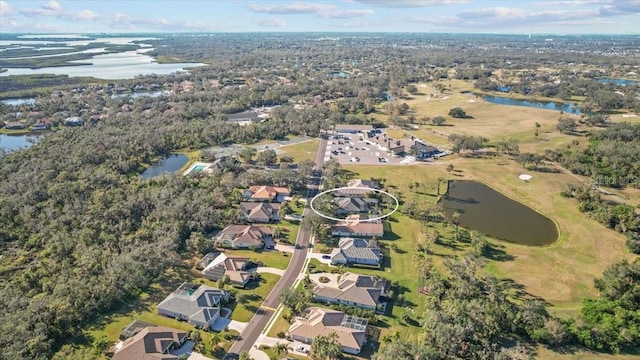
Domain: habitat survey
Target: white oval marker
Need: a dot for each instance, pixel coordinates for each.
(357, 188)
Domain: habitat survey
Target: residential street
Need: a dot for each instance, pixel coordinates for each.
(260, 320)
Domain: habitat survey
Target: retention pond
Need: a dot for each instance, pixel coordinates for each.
(486, 210)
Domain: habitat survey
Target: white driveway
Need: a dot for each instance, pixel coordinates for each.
(271, 341)
(257, 354)
(319, 256)
(223, 322)
(270, 270)
(197, 356)
(287, 248)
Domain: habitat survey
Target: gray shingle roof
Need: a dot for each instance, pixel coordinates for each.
(259, 210)
(354, 288)
(201, 305)
(320, 321)
(355, 204)
(351, 249)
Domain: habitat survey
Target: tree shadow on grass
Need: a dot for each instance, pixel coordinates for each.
(519, 291)
(381, 323)
(250, 307)
(218, 353)
(449, 244)
(496, 252)
(546, 169)
(388, 232)
(397, 250)
(252, 297)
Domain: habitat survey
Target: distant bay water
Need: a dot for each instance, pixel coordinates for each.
(122, 65)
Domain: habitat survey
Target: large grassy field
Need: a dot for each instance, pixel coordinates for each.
(495, 122)
(302, 151)
(492, 121)
(561, 273)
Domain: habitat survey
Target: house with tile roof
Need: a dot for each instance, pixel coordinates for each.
(266, 193)
(233, 267)
(259, 212)
(354, 205)
(350, 330)
(364, 291)
(357, 188)
(356, 251)
(358, 225)
(244, 237)
(151, 343)
(199, 305)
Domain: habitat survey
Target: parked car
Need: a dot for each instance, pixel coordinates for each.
(326, 257)
(302, 349)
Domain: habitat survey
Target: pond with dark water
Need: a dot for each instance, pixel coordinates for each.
(549, 105)
(11, 142)
(486, 210)
(169, 164)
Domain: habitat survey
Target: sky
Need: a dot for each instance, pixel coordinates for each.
(463, 16)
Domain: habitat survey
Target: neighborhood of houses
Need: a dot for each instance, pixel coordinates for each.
(204, 306)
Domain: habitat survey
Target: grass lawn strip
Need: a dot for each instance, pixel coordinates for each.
(254, 297)
(302, 151)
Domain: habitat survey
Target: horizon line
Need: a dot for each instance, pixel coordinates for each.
(318, 32)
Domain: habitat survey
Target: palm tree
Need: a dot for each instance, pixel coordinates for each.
(215, 340)
(440, 181)
(281, 349)
(478, 242)
(326, 347)
(245, 356)
(285, 209)
(456, 221)
(318, 231)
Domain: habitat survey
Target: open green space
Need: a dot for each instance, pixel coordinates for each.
(270, 258)
(570, 264)
(252, 296)
(280, 325)
(302, 151)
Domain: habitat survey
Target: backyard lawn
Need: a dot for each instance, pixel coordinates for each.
(270, 258)
(253, 297)
(144, 308)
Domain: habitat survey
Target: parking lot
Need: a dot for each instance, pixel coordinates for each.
(352, 149)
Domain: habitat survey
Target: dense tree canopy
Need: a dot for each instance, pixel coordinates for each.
(612, 321)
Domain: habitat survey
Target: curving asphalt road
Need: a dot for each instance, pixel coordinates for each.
(259, 321)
